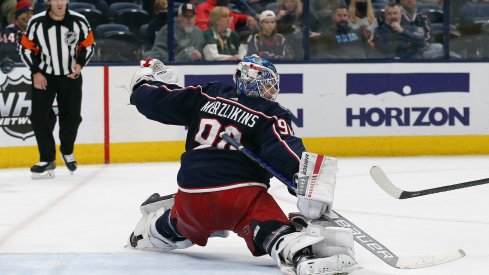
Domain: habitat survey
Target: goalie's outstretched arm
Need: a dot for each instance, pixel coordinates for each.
(156, 95)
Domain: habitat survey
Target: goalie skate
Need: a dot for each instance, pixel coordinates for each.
(43, 170)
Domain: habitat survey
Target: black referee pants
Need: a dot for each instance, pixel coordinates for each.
(68, 94)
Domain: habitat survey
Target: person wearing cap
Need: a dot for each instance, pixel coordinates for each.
(268, 43)
(222, 43)
(188, 39)
(13, 33)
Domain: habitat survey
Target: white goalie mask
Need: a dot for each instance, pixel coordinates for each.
(256, 77)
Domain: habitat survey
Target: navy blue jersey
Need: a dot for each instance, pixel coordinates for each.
(209, 163)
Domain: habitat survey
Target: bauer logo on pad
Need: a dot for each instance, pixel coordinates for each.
(302, 185)
(407, 84)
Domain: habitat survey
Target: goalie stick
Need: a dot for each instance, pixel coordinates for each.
(362, 238)
(386, 184)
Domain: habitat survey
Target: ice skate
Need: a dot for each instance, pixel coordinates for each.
(43, 170)
(70, 162)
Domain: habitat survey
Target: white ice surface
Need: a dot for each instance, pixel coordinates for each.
(79, 224)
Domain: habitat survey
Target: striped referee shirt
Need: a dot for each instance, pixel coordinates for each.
(54, 47)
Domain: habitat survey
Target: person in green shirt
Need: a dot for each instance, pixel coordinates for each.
(220, 42)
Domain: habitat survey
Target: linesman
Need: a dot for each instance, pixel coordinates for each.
(57, 44)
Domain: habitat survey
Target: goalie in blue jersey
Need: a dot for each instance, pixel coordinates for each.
(220, 189)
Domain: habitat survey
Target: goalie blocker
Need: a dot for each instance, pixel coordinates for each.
(316, 181)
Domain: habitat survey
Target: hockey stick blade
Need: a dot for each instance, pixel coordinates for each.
(383, 253)
(361, 237)
(386, 184)
(427, 261)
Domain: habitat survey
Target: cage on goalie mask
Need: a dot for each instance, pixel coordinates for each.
(256, 77)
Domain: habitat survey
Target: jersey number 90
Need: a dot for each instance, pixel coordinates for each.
(208, 134)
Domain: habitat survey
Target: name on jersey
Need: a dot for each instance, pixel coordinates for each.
(229, 111)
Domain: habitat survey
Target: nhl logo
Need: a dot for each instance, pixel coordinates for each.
(15, 107)
(70, 38)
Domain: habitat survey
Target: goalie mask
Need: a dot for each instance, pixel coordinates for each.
(256, 77)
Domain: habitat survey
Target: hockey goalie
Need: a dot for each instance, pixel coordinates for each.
(220, 190)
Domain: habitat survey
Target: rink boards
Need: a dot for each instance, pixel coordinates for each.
(339, 109)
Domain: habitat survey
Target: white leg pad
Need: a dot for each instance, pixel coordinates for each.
(145, 228)
(332, 265)
(288, 246)
(332, 251)
(337, 240)
(155, 206)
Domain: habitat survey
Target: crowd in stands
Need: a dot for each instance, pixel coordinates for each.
(225, 30)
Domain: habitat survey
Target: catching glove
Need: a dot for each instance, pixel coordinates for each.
(152, 69)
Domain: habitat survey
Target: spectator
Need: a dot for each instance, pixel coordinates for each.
(188, 39)
(160, 18)
(289, 24)
(411, 17)
(320, 12)
(339, 40)
(8, 11)
(13, 33)
(268, 43)
(289, 15)
(362, 17)
(395, 40)
(204, 9)
(222, 43)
